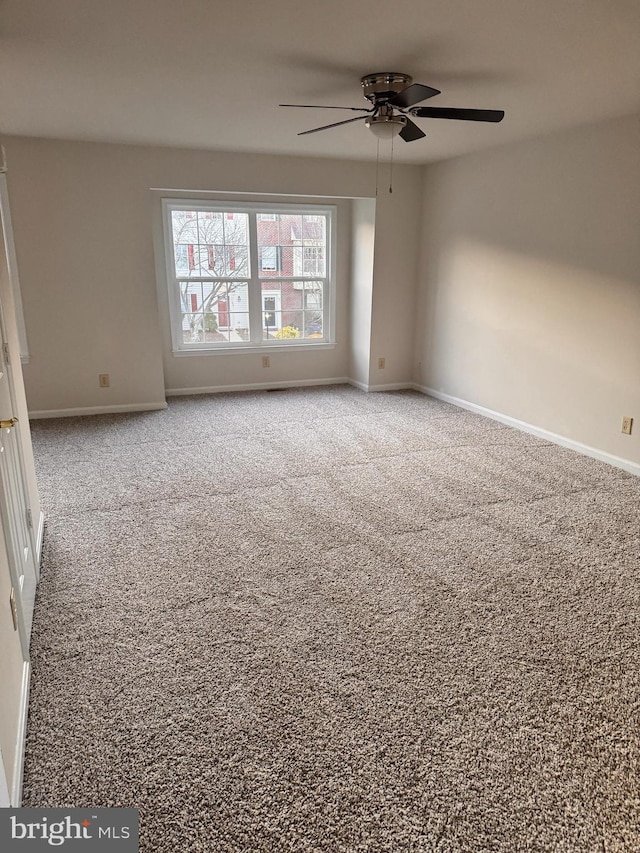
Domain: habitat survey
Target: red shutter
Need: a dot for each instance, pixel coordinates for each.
(211, 255)
(194, 302)
(191, 256)
(223, 312)
(232, 257)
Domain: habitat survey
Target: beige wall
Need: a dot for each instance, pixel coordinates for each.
(529, 303)
(527, 258)
(83, 218)
(364, 233)
(395, 272)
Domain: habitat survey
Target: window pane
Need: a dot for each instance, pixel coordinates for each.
(313, 301)
(210, 228)
(270, 243)
(313, 260)
(271, 309)
(210, 265)
(315, 229)
(313, 324)
(239, 311)
(268, 258)
(292, 324)
(226, 308)
(236, 261)
(210, 243)
(192, 328)
(236, 229)
(313, 297)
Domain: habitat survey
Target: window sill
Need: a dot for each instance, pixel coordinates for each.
(253, 350)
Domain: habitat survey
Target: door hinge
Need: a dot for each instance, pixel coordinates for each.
(14, 608)
(5, 347)
(29, 518)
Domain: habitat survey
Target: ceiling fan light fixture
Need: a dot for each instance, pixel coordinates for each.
(386, 126)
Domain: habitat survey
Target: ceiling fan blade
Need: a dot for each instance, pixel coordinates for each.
(413, 94)
(410, 132)
(335, 124)
(455, 113)
(318, 107)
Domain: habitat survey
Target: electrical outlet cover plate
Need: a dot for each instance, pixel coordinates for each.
(627, 424)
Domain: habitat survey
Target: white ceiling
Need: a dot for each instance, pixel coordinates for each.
(210, 74)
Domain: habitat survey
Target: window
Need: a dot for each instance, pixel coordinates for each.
(270, 258)
(221, 298)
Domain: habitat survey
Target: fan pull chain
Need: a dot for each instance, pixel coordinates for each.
(377, 164)
(391, 168)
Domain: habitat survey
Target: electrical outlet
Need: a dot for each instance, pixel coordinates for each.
(627, 424)
(104, 380)
(381, 363)
(266, 361)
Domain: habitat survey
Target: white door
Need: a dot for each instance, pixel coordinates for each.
(14, 509)
(14, 681)
(18, 542)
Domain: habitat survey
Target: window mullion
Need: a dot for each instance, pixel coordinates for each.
(255, 299)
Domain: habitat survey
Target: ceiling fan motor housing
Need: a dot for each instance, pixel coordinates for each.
(379, 87)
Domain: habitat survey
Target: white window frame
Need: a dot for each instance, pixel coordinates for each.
(254, 279)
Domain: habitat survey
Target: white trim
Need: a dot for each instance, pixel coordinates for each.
(5, 799)
(563, 441)
(256, 386)
(39, 541)
(253, 280)
(373, 389)
(96, 410)
(21, 737)
(311, 199)
(390, 386)
(274, 346)
(12, 266)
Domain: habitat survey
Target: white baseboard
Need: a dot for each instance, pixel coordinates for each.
(256, 386)
(563, 441)
(96, 410)
(21, 736)
(372, 389)
(390, 386)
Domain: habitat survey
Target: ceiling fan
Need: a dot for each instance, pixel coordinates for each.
(393, 97)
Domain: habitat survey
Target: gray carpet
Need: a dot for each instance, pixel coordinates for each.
(319, 620)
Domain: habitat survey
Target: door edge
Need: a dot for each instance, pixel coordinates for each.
(21, 738)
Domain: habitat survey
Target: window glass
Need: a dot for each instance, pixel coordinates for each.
(219, 298)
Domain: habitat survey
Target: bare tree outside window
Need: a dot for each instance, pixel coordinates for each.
(211, 258)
